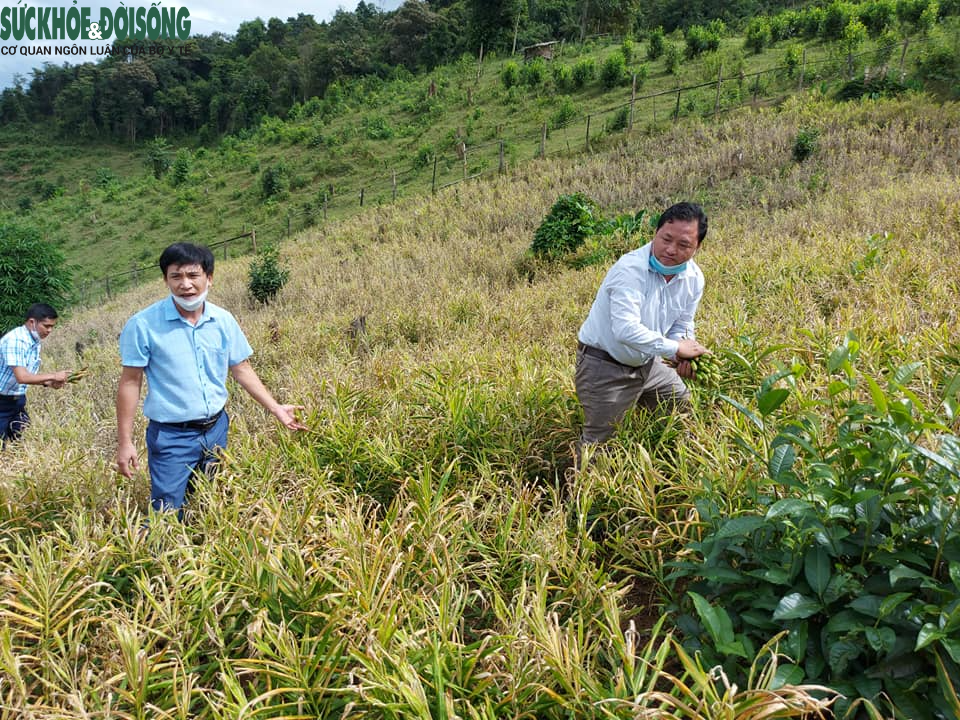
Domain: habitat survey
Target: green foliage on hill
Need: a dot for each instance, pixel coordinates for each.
(296, 160)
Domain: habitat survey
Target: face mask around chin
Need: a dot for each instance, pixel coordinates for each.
(665, 269)
(190, 305)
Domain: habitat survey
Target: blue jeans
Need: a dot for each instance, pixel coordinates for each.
(13, 417)
(175, 454)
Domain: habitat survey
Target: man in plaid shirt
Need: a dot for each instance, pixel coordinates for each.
(20, 358)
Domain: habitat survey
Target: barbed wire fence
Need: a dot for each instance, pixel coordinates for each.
(561, 135)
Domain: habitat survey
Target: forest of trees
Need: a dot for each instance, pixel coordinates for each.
(216, 84)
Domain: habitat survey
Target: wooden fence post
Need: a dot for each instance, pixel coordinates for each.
(676, 112)
(803, 68)
(324, 206)
(543, 141)
(253, 238)
(587, 146)
(633, 99)
(716, 102)
(903, 56)
(502, 167)
(361, 197)
(108, 286)
(226, 244)
(433, 184)
(394, 184)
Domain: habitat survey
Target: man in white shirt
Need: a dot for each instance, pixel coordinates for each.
(642, 314)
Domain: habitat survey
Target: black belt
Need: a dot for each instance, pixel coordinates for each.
(11, 398)
(603, 355)
(204, 424)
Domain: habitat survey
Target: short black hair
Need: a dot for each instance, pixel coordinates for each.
(686, 211)
(187, 254)
(40, 312)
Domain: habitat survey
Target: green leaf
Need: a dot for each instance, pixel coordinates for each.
(879, 397)
(714, 619)
(952, 646)
(796, 606)
(789, 507)
(841, 654)
(903, 573)
(749, 414)
(786, 674)
(837, 358)
(781, 460)
(741, 526)
(771, 400)
(836, 387)
(905, 372)
(816, 569)
(881, 639)
(891, 602)
(928, 633)
(869, 605)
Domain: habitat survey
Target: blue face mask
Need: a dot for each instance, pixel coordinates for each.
(659, 267)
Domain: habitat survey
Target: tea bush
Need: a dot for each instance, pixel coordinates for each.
(570, 221)
(852, 544)
(267, 274)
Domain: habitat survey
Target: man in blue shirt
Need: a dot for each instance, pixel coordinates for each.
(20, 355)
(185, 346)
(642, 314)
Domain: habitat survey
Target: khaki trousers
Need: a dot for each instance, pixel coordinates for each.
(607, 390)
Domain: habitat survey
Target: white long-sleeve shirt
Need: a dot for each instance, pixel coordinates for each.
(637, 314)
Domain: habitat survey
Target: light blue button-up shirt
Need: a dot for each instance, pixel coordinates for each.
(637, 314)
(18, 348)
(186, 365)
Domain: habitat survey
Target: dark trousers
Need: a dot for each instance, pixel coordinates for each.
(13, 417)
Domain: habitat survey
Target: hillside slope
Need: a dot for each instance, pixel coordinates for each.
(424, 538)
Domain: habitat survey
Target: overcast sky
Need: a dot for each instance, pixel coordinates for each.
(206, 16)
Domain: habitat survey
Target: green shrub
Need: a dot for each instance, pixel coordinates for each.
(274, 181)
(758, 34)
(702, 39)
(534, 72)
(620, 119)
(158, 157)
(267, 274)
(376, 127)
(672, 58)
(583, 72)
(562, 76)
(570, 221)
(655, 43)
(792, 59)
(510, 74)
(613, 71)
(806, 143)
(852, 545)
(627, 49)
(566, 111)
(180, 170)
